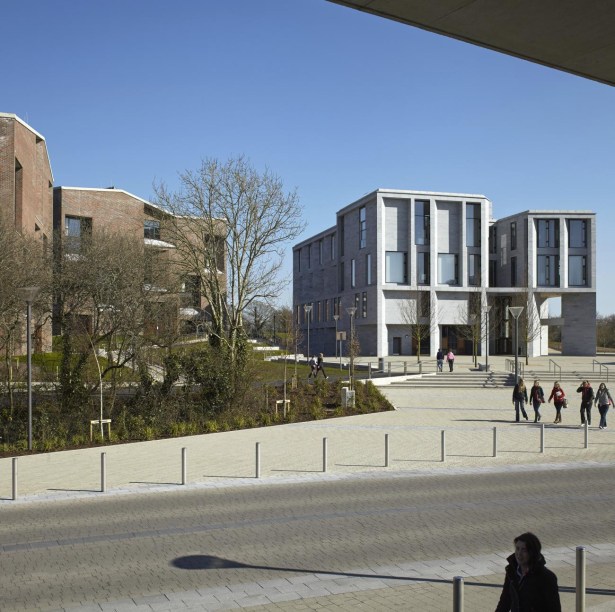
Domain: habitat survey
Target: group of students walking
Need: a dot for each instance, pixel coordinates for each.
(602, 398)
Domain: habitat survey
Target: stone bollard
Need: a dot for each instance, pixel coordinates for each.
(325, 455)
(14, 481)
(184, 465)
(103, 472)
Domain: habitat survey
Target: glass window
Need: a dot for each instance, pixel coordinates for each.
(473, 227)
(320, 247)
(448, 269)
(298, 259)
(421, 222)
(309, 256)
(332, 245)
(492, 273)
(474, 270)
(326, 309)
(577, 271)
(353, 273)
(513, 236)
(341, 223)
(423, 272)
(76, 230)
(548, 233)
(493, 239)
(151, 229)
(577, 233)
(548, 270)
(341, 276)
(364, 305)
(368, 269)
(513, 271)
(362, 228)
(395, 267)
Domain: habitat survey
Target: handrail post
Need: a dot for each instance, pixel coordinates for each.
(325, 455)
(495, 441)
(443, 444)
(14, 474)
(542, 437)
(580, 585)
(458, 594)
(386, 450)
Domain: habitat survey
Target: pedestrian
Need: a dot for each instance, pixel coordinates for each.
(537, 395)
(559, 401)
(528, 584)
(603, 400)
(319, 366)
(313, 367)
(450, 357)
(440, 359)
(587, 397)
(519, 398)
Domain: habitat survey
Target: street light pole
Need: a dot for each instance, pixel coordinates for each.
(487, 309)
(29, 295)
(308, 309)
(516, 311)
(336, 318)
(351, 310)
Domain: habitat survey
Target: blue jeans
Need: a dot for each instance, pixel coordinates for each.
(603, 410)
(520, 404)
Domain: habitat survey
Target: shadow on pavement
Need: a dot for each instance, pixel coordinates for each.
(205, 562)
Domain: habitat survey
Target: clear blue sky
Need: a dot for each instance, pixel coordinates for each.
(336, 102)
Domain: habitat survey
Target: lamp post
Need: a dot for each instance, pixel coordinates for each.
(336, 317)
(28, 294)
(308, 309)
(516, 311)
(351, 310)
(487, 309)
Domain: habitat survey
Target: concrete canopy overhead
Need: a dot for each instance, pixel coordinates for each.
(576, 36)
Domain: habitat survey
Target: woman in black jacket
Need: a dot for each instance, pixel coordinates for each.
(528, 586)
(537, 395)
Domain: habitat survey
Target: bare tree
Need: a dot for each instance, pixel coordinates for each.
(475, 329)
(417, 312)
(102, 305)
(22, 263)
(229, 213)
(529, 321)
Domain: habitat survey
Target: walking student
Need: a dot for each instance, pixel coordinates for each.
(519, 398)
(587, 397)
(313, 367)
(450, 357)
(559, 400)
(440, 359)
(528, 584)
(603, 400)
(537, 395)
(319, 366)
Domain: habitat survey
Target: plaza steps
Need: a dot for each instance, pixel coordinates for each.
(461, 378)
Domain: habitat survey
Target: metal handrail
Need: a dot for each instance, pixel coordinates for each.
(509, 364)
(601, 365)
(555, 365)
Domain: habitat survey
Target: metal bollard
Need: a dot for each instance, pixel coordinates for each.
(495, 441)
(443, 438)
(258, 460)
(184, 465)
(387, 456)
(542, 437)
(14, 474)
(580, 586)
(586, 434)
(103, 472)
(457, 594)
(405, 368)
(325, 454)
(369, 370)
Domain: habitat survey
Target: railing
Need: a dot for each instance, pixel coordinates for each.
(509, 365)
(555, 367)
(601, 366)
(394, 368)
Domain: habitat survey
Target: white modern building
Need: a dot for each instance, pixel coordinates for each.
(436, 270)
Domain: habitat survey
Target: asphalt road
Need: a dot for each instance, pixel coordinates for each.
(81, 552)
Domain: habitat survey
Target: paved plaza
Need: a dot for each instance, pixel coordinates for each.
(355, 450)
